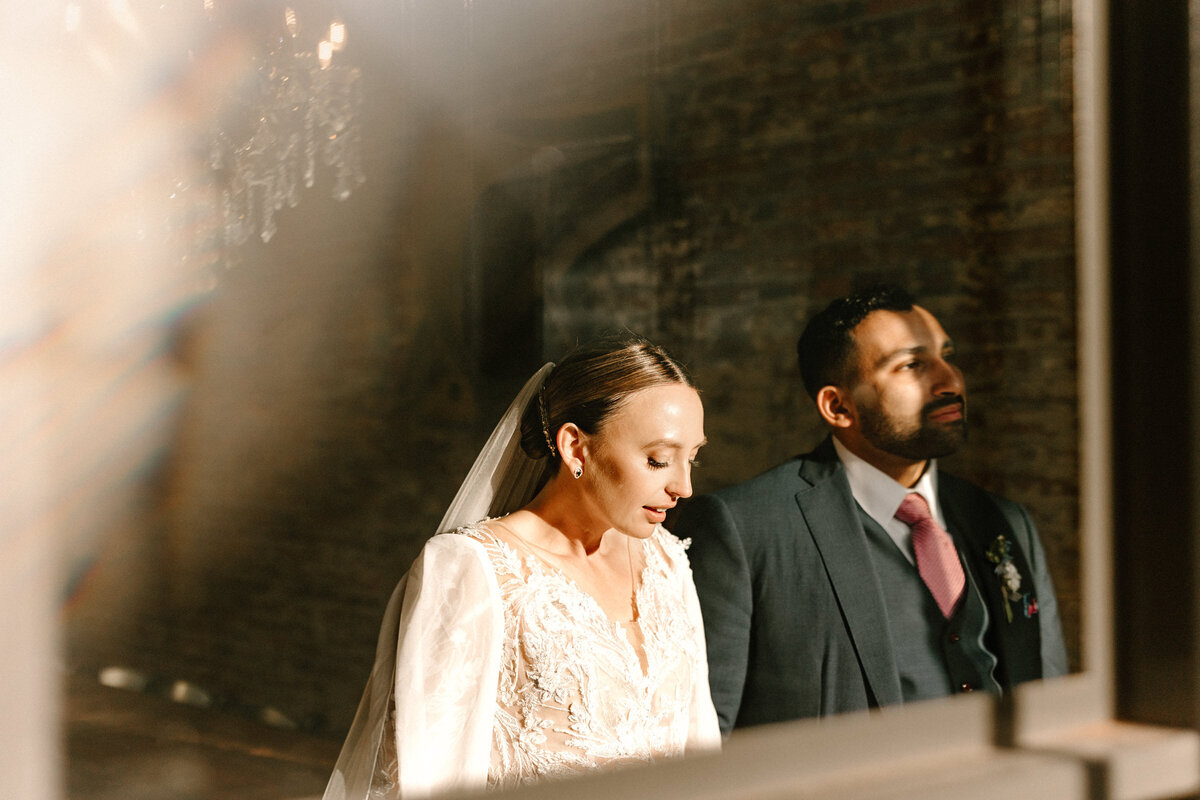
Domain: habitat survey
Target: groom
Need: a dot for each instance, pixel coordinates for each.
(859, 575)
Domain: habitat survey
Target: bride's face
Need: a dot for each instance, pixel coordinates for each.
(640, 462)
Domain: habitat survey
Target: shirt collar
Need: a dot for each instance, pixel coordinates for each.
(879, 495)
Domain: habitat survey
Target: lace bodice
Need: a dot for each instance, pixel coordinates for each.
(573, 694)
(505, 672)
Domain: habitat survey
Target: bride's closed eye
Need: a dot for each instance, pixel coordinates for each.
(650, 462)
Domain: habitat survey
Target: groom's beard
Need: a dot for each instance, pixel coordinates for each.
(915, 440)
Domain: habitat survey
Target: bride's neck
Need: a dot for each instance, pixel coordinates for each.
(561, 522)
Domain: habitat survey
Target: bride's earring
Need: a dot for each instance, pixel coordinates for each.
(577, 472)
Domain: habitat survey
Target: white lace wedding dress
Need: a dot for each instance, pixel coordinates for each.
(507, 673)
(493, 669)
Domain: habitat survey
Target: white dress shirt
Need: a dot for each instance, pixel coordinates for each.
(880, 496)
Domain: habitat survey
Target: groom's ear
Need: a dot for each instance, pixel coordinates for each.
(835, 406)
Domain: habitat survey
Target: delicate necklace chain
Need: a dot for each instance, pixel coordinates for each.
(633, 604)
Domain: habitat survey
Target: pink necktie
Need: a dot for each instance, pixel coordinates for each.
(937, 558)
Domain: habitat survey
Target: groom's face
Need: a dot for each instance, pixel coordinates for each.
(908, 393)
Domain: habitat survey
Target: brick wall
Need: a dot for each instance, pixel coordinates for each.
(707, 173)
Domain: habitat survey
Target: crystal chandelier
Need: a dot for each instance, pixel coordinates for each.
(287, 111)
(304, 114)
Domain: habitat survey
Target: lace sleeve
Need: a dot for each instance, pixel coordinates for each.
(425, 721)
(447, 667)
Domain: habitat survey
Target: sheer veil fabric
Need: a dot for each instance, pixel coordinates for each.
(502, 479)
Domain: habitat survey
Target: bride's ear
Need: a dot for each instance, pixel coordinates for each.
(572, 445)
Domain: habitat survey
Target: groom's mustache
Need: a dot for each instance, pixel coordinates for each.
(942, 402)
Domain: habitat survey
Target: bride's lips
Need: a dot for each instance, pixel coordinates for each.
(656, 513)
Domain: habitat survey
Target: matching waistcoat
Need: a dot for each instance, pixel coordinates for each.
(935, 656)
(979, 647)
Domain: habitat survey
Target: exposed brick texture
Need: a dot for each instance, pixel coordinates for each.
(708, 173)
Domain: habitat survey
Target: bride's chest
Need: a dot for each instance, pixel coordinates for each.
(552, 627)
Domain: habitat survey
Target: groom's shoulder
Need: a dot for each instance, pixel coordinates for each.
(780, 474)
(788, 476)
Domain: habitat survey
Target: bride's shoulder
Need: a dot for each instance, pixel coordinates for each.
(491, 534)
(486, 541)
(510, 529)
(453, 541)
(674, 548)
(480, 531)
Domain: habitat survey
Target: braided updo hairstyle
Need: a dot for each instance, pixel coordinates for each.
(589, 385)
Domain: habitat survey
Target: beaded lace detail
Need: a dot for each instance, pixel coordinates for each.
(573, 695)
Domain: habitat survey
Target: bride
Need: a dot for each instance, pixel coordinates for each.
(554, 629)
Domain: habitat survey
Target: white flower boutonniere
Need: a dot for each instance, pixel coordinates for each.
(1000, 554)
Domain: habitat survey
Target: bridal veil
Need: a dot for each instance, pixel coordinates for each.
(502, 479)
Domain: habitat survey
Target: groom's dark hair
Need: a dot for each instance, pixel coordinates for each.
(826, 347)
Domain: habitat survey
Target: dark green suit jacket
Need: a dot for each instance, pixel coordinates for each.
(794, 615)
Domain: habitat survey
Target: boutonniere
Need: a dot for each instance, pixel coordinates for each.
(1000, 554)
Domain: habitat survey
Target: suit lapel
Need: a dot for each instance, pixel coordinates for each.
(831, 516)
